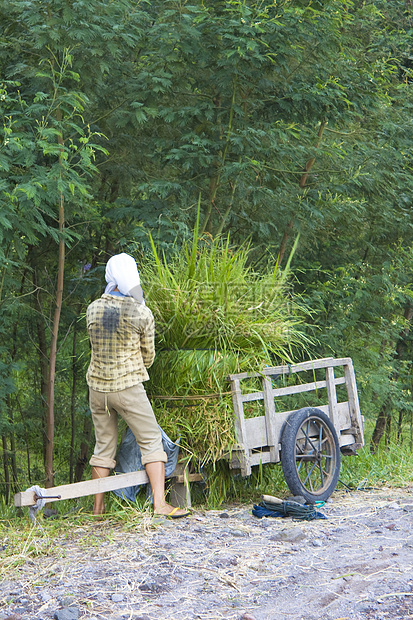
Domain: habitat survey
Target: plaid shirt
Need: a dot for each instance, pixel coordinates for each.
(122, 334)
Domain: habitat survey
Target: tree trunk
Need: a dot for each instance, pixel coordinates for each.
(73, 405)
(82, 458)
(26, 440)
(383, 422)
(41, 336)
(387, 435)
(213, 187)
(379, 428)
(206, 225)
(227, 212)
(284, 241)
(6, 468)
(302, 182)
(13, 462)
(49, 481)
(55, 331)
(400, 426)
(42, 347)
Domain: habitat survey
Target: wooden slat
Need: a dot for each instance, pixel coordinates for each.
(87, 487)
(286, 370)
(343, 420)
(332, 395)
(305, 366)
(270, 419)
(240, 426)
(182, 478)
(292, 389)
(298, 389)
(257, 458)
(304, 387)
(353, 399)
(247, 398)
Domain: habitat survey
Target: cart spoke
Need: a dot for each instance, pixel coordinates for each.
(308, 478)
(306, 435)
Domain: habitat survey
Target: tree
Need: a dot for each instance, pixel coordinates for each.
(55, 154)
(282, 118)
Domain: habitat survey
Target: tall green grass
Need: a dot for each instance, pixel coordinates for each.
(214, 316)
(390, 466)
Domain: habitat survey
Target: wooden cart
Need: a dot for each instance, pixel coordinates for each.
(307, 440)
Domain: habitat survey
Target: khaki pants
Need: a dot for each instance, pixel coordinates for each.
(134, 407)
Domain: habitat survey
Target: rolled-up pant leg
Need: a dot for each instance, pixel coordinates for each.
(133, 405)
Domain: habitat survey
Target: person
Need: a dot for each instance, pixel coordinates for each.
(121, 331)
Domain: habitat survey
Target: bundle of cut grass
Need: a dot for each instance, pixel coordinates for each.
(214, 316)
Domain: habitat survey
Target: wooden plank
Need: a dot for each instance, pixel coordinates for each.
(256, 428)
(332, 396)
(286, 370)
(343, 420)
(270, 419)
(247, 398)
(305, 366)
(181, 478)
(304, 387)
(353, 399)
(240, 431)
(87, 487)
(257, 458)
(255, 433)
(180, 491)
(241, 375)
(298, 389)
(342, 423)
(292, 389)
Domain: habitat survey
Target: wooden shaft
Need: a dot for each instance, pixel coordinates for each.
(271, 499)
(87, 487)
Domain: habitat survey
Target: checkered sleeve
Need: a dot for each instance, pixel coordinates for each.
(148, 342)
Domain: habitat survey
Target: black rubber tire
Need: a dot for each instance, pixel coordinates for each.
(310, 454)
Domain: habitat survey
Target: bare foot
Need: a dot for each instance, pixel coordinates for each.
(98, 510)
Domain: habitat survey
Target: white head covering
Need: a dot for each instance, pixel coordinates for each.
(122, 272)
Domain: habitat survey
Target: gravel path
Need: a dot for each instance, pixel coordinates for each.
(227, 564)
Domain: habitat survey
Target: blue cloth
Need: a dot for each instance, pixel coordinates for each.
(129, 459)
(260, 512)
(308, 513)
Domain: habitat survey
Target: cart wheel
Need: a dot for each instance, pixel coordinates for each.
(310, 454)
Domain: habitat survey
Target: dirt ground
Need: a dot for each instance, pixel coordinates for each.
(227, 564)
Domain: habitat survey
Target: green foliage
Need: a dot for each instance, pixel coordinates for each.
(361, 313)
